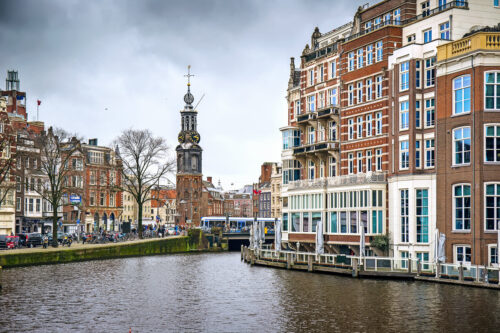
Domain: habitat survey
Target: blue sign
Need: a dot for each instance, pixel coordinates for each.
(76, 199)
(78, 222)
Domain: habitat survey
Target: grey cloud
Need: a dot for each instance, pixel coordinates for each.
(81, 57)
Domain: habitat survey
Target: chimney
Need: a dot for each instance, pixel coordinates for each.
(209, 179)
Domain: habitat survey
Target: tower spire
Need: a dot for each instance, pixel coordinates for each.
(189, 98)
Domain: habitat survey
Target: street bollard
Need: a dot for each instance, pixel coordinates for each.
(288, 260)
(461, 272)
(309, 263)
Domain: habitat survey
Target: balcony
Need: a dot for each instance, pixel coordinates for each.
(358, 179)
(321, 52)
(328, 111)
(308, 183)
(319, 147)
(488, 41)
(304, 118)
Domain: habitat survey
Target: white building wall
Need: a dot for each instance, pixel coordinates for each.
(411, 183)
(480, 13)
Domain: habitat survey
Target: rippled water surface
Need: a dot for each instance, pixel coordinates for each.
(218, 293)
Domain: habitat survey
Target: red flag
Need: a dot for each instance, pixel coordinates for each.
(254, 192)
(38, 102)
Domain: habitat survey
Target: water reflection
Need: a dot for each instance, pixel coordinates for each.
(216, 292)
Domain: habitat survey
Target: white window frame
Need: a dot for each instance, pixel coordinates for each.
(378, 159)
(359, 91)
(496, 143)
(404, 115)
(418, 154)
(455, 254)
(427, 33)
(462, 130)
(495, 208)
(378, 87)
(430, 67)
(311, 103)
(496, 79)
(350, 95)
(350, 128)
(490, 248)
(332, 167)
(369, 55)
(350, 60)
(430, 109)
(311, 77)
(431, 149)
(404, 76)
(369, 92)
(404, 155)
(360, 58)
(461, 81)
(418, 114)
(359, 127)
(368, 161)
(359, 165)
(350, 158)
(379, 51)
(333, 69)
(378, 123)
(369, 125)
(333, 97)
(332, 130)
(444, 28)
(454, 207)
(418, 73)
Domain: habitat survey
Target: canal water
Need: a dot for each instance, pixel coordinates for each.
(218, 293)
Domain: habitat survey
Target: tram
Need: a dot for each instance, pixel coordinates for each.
(236, 224)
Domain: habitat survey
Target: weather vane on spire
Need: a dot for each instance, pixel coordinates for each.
(189, 75)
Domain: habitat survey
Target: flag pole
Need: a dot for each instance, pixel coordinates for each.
(37, 106)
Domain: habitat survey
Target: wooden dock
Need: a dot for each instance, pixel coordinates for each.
(370, 267)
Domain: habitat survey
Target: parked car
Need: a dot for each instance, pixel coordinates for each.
(30, 240)
(171, 231)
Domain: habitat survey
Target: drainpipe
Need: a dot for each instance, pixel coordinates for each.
(473, 156)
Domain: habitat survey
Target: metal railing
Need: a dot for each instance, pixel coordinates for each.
(459, 272)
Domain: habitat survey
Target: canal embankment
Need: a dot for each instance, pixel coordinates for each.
(195, 241)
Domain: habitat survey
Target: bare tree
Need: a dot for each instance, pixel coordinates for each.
(56, 149)
(145, 162)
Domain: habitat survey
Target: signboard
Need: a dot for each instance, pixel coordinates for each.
(78, 222)
(75, 199)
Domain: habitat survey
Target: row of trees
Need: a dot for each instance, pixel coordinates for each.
(145, 159)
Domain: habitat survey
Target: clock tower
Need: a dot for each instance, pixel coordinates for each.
(189, 176)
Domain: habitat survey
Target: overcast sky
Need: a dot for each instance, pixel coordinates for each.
(103, 66)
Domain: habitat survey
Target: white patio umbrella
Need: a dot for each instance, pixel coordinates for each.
(277, 235)
(362, 244)
(319, 238)
(441, 255)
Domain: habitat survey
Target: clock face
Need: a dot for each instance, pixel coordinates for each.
(188, 98)
(181, 138)
(195, 137)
